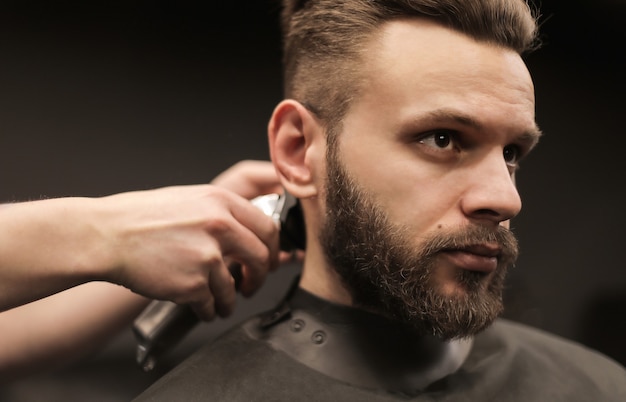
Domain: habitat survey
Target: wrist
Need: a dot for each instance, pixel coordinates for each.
(88, 252)
(99, 256)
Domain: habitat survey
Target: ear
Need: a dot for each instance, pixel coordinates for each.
(296, 142)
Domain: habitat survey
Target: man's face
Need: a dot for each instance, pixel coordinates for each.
(420, 185)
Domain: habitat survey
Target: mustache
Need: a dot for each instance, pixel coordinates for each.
(470, 236)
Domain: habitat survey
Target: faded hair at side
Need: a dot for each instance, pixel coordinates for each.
(323, 40)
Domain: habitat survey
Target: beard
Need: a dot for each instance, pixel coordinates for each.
(388, 275)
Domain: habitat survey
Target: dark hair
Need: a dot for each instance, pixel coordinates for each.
(323, 40)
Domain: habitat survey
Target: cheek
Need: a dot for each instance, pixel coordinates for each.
(412, 192)
(417, 203)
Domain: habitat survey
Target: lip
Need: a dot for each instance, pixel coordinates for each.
(478, 258)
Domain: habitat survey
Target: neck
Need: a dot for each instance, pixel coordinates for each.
(323, 282)
(357, 347)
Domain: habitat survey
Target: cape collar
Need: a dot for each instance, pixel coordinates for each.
(357, 347)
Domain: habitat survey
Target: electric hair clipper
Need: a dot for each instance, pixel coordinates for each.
(162, 324)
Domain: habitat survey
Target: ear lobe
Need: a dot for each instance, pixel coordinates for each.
(293, 135)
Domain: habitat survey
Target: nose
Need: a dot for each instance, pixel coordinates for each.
(491, 195)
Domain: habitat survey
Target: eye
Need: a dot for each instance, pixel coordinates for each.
(438, 139)
(512, 154)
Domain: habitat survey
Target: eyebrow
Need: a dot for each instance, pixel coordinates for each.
(529, 137)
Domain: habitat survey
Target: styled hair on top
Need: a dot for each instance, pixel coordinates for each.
(323, 40)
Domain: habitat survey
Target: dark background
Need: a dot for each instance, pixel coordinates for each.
(98, 97)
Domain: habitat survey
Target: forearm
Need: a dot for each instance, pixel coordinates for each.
(63, 328)
(46, 247)
(168, 244)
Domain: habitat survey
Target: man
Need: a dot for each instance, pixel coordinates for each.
(404, 124)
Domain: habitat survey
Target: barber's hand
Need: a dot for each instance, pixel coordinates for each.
(249, 179)
(175, 243)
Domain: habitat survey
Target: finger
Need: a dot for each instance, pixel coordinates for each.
(222, 287)
(250, 179)
(286, 257)
(261, 225)
(256, 242)
(262, 178)
(247, 236)
(254, 267)
(236, 271)
(205, 309)
(298, 255)
(252, 280)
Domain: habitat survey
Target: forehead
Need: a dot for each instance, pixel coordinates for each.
(415, 65)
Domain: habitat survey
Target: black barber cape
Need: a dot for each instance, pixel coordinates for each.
(308, 349)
